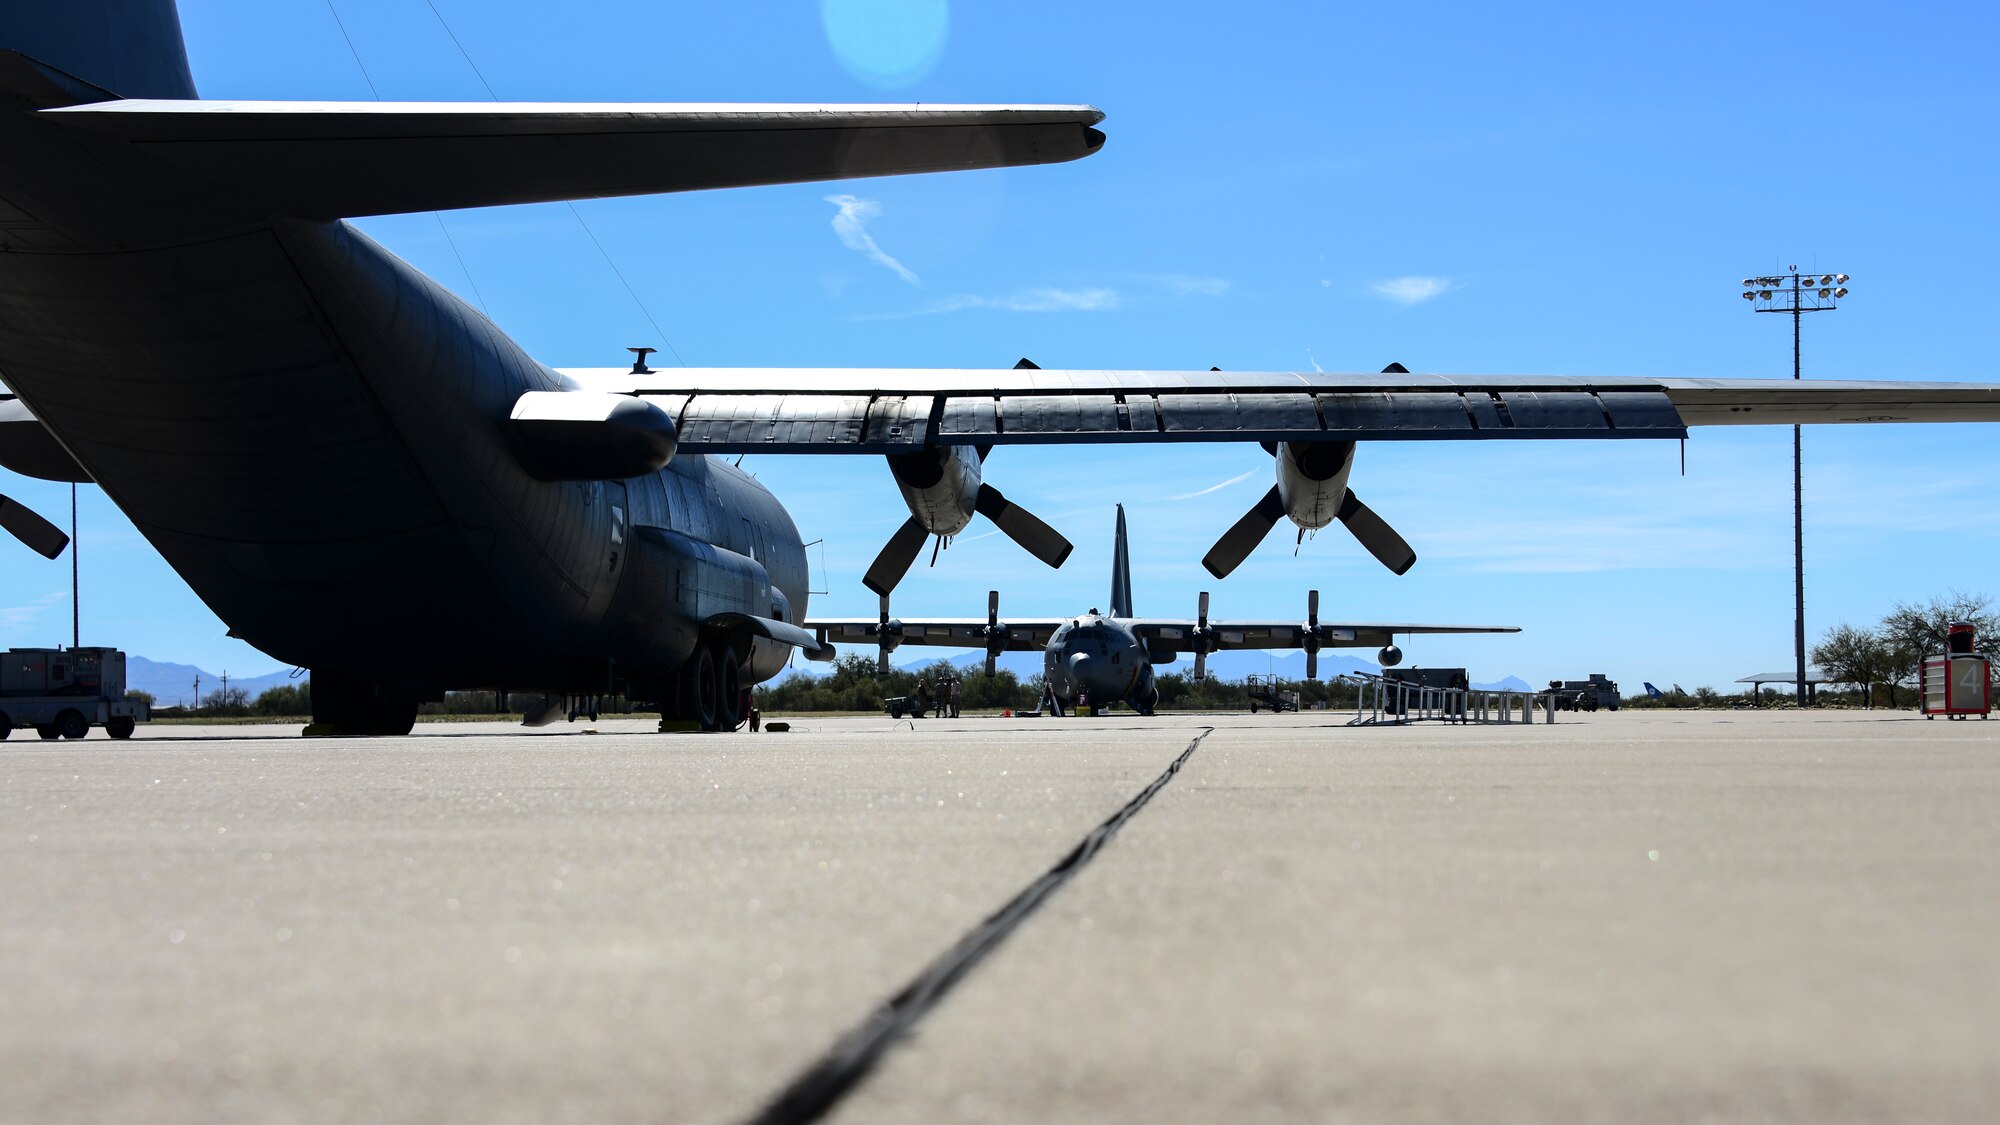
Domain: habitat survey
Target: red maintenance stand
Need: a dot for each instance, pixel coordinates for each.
(1960, 682)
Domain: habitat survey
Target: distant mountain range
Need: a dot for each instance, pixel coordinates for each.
(1221, 665)
(173, 684)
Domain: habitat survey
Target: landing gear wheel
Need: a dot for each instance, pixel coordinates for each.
(696, 688)
(346, 706)
(6, 726)
(121, 726)
(728, 688)
(47, 731)
(72, 725)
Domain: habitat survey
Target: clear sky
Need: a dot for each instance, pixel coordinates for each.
(1461, 187)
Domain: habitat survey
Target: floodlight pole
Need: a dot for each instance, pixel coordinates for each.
(1801, 297)
(75, 584)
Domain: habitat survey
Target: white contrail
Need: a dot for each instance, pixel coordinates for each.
(1237, 479)
(851, 224)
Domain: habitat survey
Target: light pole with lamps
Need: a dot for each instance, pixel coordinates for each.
(1797, 294)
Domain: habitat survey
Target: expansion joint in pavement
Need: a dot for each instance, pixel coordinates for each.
(817, 1091)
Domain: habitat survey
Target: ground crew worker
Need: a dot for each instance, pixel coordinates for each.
(957, 690)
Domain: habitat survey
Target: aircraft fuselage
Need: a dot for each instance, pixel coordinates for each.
(313, 434)
(1101, 660)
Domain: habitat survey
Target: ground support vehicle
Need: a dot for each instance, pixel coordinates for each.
(1585, 695)
(62, 693)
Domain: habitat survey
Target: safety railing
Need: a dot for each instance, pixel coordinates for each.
(1384, 702)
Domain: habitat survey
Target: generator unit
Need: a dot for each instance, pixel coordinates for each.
(63, 692)
(1599, 691)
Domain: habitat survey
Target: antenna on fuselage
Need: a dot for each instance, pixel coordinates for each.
(639, 360)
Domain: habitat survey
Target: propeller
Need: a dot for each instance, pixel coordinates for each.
(1203, 640)
(888, 634)
(1312, 634)
(1373, 532)
(1017, 523)
(1390, 656)
(41, 536)
(896, 557)
(1243, 537)
(996, 633)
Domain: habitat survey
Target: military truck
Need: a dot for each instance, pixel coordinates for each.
(1585, 695)
(62, 693)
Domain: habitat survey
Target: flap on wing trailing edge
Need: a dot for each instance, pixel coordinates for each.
(343, 159)
(782, 632)
(28, 448)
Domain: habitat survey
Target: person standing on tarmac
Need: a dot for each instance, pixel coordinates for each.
(957, 690)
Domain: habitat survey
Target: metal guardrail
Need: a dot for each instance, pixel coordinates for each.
(1385, 702)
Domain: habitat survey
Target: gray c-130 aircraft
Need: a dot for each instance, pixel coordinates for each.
(364, 476)
(1108, 657)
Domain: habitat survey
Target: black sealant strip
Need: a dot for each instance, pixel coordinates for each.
(853, 1057)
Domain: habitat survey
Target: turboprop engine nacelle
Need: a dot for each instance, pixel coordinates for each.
(1312, 480)
(941, 486)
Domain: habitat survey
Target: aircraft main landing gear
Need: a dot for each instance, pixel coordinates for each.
(708, 690)
(348, 706)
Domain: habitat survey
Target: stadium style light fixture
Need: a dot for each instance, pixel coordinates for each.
(1797, 295)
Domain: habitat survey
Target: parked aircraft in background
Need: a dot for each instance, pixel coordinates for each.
(1108, 657)
(364, 476)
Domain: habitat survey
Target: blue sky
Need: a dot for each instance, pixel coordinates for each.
(1459, 187)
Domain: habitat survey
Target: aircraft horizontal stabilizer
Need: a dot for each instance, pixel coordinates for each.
(28, 448)
(327, 160)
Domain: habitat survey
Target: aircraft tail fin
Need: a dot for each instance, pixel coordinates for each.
(128, 48)
(327, 160)
(1121, 571)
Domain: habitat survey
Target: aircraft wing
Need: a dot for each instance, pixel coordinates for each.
(751, 410)
(937, 632)
(327, 160)
(1227, 635)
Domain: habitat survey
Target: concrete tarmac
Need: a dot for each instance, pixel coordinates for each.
(1634, 916)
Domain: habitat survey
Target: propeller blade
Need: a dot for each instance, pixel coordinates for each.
(1375, 534)
(896, 557)
(1242, 538)
(41, 536)
(1039, 539)
(1312, 634)
(1201, 637)
(882, 636)
(992, 629)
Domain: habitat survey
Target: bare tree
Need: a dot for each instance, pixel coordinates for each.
(1856, 656)
(1915, 630)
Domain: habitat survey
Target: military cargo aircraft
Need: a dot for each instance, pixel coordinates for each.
(1101, 658)
(364, 476)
